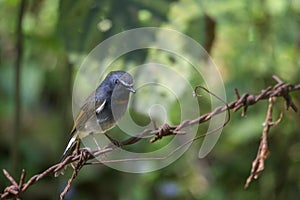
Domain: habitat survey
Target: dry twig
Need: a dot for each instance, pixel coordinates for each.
(263, 151)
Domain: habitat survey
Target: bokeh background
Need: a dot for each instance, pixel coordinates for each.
(248, 40)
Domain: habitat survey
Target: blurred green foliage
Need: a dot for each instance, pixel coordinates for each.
(253, 40)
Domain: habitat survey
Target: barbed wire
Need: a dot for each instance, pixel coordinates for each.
(81, 156)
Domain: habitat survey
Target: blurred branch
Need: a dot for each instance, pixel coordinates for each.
(210, 32)
(17, 95)
(66, 93)
(80, 156)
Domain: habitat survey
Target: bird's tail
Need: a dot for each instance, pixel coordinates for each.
(68, 151)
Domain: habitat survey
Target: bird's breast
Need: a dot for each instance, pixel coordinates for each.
(120, 101)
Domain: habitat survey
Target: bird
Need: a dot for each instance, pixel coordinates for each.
(105, 106)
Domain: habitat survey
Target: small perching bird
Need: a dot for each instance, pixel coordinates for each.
(107, 104)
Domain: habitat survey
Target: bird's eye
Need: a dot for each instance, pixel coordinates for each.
(116, 81)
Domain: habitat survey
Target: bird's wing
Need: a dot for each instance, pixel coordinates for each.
(87, 111)
(91, 106)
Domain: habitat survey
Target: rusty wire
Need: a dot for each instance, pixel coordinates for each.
(82, 155)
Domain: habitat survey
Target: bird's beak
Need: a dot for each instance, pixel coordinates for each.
(131, 89)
